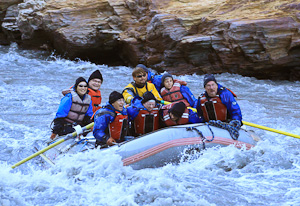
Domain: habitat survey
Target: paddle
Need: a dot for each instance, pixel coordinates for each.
(250, 124)
(69, 136)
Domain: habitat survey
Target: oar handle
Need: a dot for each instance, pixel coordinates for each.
(74, 134)
(271, 129)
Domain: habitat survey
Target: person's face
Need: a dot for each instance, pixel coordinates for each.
(140, 78)
(168, 82)
(149, 105)
(81, 88)
(173, 117)
(211, 88)
(95, 84)
(118, 105)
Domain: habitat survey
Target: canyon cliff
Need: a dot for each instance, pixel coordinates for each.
(257, 38)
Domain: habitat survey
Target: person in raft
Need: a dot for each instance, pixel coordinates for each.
(94, 83)
(172, 91)
(217, 102)
(174, 114)
(156, 78)
(75, 109)
(139, 86)
(144, 114)
(111, 122)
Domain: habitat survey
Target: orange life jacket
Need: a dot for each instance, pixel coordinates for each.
(167, 119)
(213, 109)
(118, 128)
(96, 99)
(174, 94)
(146, 121)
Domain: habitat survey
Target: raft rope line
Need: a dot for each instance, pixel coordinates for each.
(232, 127)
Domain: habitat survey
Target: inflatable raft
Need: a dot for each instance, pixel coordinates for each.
(163, 146)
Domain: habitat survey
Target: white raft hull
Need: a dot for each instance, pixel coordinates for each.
(167, 145)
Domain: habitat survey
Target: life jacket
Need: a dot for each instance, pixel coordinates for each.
(134, 88)
(167, 119)
(174, 94)
(146, 121)
(96, 99)
(119, 127)
(213, 109)
(78, 108)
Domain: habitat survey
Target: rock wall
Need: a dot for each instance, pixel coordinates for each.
(249, 37)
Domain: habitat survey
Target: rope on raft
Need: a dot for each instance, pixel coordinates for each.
(232, 127)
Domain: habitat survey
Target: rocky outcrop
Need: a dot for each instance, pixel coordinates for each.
(254, 38)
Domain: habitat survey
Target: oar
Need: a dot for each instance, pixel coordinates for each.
(271, 129)
(250, 124)
(69, 136)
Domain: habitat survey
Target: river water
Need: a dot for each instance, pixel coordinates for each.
(30, 91)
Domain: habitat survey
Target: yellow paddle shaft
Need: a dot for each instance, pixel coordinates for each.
(270, 129)
(37, 153)
(51, 146)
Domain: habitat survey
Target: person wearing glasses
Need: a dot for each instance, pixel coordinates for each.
(75, 109)
(139, 86)
(94, 83)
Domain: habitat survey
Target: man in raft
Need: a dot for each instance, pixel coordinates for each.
(75, 108)
(111, 122)
(95, 81)
(144, 114)
(139, 86)
(217, 102)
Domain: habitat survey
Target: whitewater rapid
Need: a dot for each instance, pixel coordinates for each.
(30, 91)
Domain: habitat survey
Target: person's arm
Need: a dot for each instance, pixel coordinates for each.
(154, 91)
(188, 95)
(132, 112)
(128, 93)
(101, 123)
(64, 106)
(232, 106)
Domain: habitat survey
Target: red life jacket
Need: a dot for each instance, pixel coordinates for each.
(213, 109)
(118, 128)
(167, 119)
(96, 99)
(174, 94)
(146, 121)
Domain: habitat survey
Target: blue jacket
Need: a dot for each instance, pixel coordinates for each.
(103, 118)
(188, 95)
(228, 100)
(65, 106)
(155, 79)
